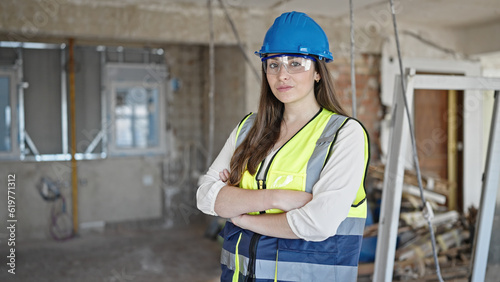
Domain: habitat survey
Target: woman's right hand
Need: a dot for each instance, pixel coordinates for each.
(287, 200)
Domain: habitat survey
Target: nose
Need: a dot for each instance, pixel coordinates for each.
(283, 72)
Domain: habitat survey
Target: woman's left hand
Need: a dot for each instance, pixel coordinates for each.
(224, 175)
(237, 220)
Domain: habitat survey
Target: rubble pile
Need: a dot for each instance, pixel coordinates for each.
(414, 257)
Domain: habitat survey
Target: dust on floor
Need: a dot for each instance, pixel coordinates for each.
(180, 254)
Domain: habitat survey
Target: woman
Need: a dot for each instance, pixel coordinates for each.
(301, 163)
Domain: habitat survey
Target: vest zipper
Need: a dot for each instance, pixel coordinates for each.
(252, 263)
(261, 184)
(252, 252)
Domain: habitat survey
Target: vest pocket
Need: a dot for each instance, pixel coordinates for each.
(229, 230)
(300, 260)
(337, 250)
(286, 180)
(308, 247)
(230, 235)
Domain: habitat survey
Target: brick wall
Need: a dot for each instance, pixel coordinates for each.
(369, 108)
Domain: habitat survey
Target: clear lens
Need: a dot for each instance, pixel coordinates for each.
(292, 63)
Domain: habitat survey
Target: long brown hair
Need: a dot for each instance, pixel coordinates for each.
(266, 129)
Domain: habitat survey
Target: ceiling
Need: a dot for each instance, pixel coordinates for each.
(443, 13)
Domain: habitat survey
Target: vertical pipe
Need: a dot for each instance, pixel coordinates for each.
(74, 169)
(20, 91)
(211, 72)
(104, 106)
(353, 70)
(235, 32)
(64, 102)
(452, 149)
(414, 142)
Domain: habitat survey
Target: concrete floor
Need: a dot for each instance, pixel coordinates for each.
(124, 253)
(154, 254)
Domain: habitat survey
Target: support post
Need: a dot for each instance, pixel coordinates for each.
(74, 168)
(393, 185)
(452, 149)
(491, 185)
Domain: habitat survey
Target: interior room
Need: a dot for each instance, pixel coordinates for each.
(112, 112)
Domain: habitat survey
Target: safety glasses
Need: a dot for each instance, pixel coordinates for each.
(293, 63)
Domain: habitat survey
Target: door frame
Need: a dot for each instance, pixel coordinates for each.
(473, 157)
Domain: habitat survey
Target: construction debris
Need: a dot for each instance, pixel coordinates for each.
(414, 257)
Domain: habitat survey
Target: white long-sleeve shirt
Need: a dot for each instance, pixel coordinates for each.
(333, 194)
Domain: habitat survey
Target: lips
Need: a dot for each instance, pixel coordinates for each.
(284, 88)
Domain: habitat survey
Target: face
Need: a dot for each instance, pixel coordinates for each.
(291, 78)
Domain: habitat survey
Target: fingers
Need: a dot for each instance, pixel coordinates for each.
(224, 175)
(237, 220)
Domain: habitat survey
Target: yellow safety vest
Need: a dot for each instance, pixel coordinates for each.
(296, 166)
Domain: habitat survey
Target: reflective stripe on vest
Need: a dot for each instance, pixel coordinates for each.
(320, 153)
(244, 127)
(291, 271)
(334, 259)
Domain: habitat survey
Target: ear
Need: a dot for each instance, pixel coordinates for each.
(317, 76)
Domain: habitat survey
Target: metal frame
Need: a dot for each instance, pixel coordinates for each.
(11, 73)
(393, 186)
(488, 197)
(26, 142)
(473, 155)
(394, 173)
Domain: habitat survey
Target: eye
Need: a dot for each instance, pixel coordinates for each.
(295, 65)
(273, 65)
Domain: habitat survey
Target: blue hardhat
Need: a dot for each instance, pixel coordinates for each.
(297, 33)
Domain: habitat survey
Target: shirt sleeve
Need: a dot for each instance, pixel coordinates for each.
(210, 183)
(336, 188)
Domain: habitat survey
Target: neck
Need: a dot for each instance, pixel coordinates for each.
(300, 113)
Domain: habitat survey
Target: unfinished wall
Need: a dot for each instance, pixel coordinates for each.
(187, 122)
(229, 93)
(188, 103)
(123, 189)
(369, 107)
(113, 185)
(106, 193)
